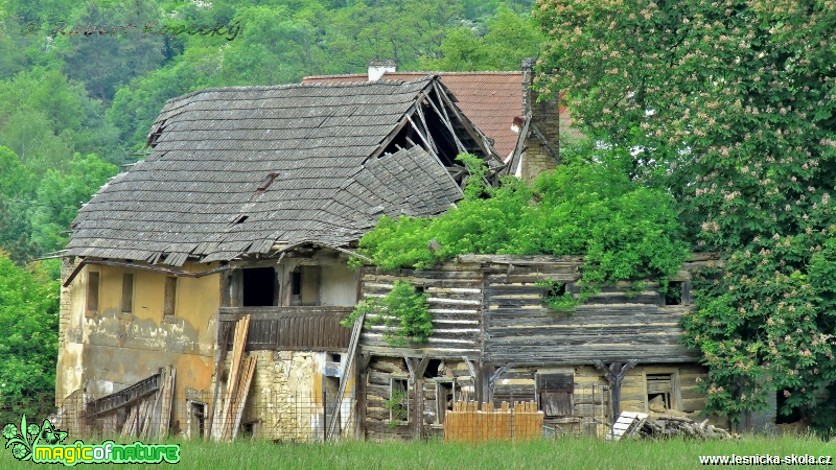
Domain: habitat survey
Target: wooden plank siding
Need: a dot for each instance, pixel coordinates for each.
(489, 307)
(455, 302)
(291, 328)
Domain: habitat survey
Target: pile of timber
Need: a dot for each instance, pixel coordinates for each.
(231, 394)
(666, 426)
(150, 418)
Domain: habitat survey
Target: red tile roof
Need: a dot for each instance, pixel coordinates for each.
(490, 99)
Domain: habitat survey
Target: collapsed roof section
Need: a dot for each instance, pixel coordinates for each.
(237, 171)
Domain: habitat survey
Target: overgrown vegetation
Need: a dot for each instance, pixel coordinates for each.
(396, 404)
(403, 311)
(626, 231)
(29, 344)
(557, 296)
(729, 106)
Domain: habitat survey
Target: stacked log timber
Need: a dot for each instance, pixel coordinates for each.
(666, 426)
(228, 408)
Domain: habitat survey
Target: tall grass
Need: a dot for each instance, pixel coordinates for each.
(581, 453)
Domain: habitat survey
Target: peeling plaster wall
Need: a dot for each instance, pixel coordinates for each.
(108, 350)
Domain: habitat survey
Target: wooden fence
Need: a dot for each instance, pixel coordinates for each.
(466, 423)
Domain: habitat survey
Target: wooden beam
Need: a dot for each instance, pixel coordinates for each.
(614, 373)
(143, 267)
(445, 118)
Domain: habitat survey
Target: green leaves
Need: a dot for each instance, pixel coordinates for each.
(29, 318)
(624, 230)
(728, 107)
(403, 311)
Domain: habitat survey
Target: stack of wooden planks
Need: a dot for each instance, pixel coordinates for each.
(231, 396)
(150, 417)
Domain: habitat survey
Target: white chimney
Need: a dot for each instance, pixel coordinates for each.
(379, 67)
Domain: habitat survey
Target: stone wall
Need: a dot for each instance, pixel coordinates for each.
(285, 401)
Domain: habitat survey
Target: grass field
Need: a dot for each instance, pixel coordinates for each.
(545, 454)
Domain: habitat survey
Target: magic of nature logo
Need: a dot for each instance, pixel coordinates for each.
(43, 444)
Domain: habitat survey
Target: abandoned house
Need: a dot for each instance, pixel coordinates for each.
(249, 203)
(525, 130)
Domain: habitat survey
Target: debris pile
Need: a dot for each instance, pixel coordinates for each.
(666, 426)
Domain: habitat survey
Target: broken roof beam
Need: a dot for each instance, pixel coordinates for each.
(445, 118)
(476, 135)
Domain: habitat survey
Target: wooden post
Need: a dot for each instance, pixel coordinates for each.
(416, 377)
(614, 374)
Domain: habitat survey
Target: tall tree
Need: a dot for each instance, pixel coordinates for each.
(29, 344)
(730, 105)
(17, 188)
(508, 38)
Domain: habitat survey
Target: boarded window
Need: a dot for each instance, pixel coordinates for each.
(304, 285)
(555, 392)
(93, 292)
(259, 287)
(170, 296)
(662, 392)
(127, 292)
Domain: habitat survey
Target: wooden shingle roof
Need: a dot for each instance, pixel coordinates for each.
(234, 171)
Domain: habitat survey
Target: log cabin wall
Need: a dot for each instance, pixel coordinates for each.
(455, 300)
(496, 337)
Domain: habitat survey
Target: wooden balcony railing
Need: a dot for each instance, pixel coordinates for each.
(290, 328)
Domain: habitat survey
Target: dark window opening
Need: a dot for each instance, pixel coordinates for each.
(432, 368)
(673, 294)
(296, 283)
(795, 413)
(93, 292)
(259, 287)
(556, 290)
(197, 419)
(556, 394)
(127, 292)
(241, 219)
